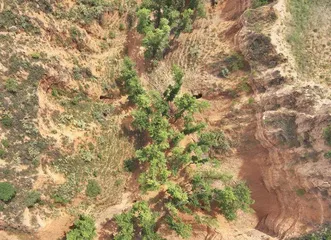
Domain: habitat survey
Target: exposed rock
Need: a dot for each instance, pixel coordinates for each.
(290, 121)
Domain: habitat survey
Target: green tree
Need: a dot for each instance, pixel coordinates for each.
(125, 225)
(141, 119)
(158, 130)
(188, 104)
(156, 175)
(7, 191)
(129, 78)
(228, 202)
(172, 91)
(162, 157)
(144, 22)
(147, 221)
(178, 196)
(186, 23)
(84, 229)
(159, 105)
(182, 229)
(157, 40)
(202, 193)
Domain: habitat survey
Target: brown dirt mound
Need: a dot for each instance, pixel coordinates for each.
(233, 9)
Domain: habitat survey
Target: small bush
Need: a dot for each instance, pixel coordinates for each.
(84, 229)
(300, 192)
(32, 198)
(93, 189)
(130, 165)
(11, 85)
(5, 143)
(122, 27)
(235, 62)
(35, 55)
(327, 154)
(60, 199)
(251, 101)
(112, 34)
(327, 134)
(215, 140)
(7, 121)
(7, 191)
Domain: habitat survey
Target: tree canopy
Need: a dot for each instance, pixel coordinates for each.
(84, 229)
(167, 118)
(158, 19)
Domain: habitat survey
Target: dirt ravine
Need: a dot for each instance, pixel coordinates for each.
(284, 161)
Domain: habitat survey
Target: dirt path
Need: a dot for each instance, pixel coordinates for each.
(253, 154)
(55, 229)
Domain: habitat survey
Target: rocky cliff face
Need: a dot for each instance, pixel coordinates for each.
(292, 112)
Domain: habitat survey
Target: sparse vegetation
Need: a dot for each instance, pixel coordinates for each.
(322, 234)
(9, 19)
(259, 3)
(327, 134)
(68, 128)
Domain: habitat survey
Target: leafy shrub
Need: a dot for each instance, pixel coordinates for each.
(7, 191)
(93, 189)
(32, 198)
(327, 134)
(84, 229)
(11, 85)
